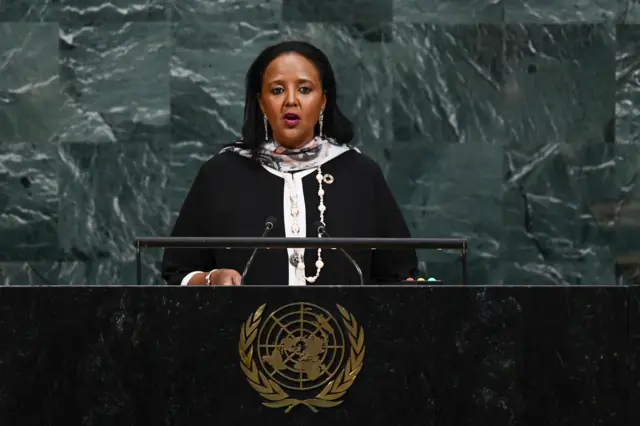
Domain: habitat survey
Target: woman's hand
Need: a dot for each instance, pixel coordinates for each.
(218, 277)
(225, 277)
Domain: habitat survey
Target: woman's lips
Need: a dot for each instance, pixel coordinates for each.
(291, 120)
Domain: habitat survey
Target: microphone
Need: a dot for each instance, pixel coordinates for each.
(322, 230)
(269, 223)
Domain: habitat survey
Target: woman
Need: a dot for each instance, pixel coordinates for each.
(293, 163)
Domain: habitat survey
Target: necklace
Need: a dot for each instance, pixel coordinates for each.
(295, 227)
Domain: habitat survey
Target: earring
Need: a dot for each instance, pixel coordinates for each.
(321, 120)
(266, 131)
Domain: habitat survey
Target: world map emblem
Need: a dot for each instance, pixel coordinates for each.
(301, 355)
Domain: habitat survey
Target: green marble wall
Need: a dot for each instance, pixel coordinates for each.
(515, 124)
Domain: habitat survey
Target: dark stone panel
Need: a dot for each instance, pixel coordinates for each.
(248, 11)
(552, 235)
(627, 84)
(99, 12)
(628, 11)
(451, 12)
(43, 273)
(28, 11)
(447, 83)
(561, 11)
(116, 79)
(621, 210)
(445, 356)
(451, 191)
(606, 175)
(447, 268)
(102, 212)
(559, 113)
(560, 87)
(30, 97)
(536, 272)
(344, 11)
(28, 202)
(107, 272)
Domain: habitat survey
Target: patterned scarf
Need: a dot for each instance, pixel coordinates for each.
(312, 155)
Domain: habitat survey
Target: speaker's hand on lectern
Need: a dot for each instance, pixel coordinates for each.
(225, 277)
(216, 277)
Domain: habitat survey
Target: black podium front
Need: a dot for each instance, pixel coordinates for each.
(347, 356)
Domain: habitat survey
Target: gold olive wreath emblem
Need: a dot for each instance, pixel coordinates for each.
(302, 351)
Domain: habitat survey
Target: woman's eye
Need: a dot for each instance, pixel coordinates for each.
(277, 90)
(305, 90)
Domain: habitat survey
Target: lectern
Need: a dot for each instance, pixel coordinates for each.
(328, 243)
(393, 355)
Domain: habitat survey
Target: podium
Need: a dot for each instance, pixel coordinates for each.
(393, 355)
(267, 243)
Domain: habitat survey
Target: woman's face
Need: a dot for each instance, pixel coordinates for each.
(292, 99)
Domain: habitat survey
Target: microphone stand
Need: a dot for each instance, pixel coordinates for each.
(268, 226)
(323, 231)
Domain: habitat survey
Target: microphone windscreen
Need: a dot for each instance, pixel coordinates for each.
(317, 225)
(272, 220)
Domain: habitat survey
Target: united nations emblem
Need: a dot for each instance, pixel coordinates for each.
(301, 355)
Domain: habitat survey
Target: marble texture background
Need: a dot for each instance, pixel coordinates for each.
(513, 123)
